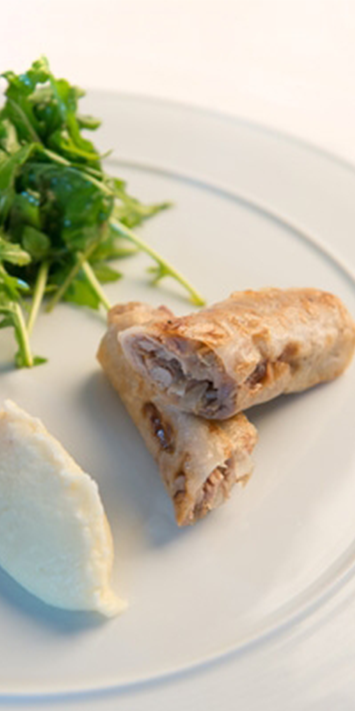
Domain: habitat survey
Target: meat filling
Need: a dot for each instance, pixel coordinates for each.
(196, 390)
(217, 485)
(179, 488)
(258, 374)
(161, 430)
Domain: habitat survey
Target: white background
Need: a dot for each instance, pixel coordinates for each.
(287, 63)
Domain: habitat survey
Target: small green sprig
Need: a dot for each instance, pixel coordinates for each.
(63, 216)
(11, 312)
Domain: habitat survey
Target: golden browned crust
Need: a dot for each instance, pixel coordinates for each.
(245, 350)
(199, 461)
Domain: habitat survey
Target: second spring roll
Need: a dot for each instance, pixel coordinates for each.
(199, 461)
(245, 350)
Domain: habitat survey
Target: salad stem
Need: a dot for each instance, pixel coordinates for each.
(166, 268)
(38, 294)
(35, 137)
(81, 257)
(22, 337)
(94, 282)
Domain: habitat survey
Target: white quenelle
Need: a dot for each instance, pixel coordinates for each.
(55, 539)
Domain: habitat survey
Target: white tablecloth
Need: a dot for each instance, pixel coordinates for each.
(287, 63)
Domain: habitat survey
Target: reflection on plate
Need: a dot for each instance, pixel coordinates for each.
(251, 209)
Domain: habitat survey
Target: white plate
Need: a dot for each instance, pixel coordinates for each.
(251, 209)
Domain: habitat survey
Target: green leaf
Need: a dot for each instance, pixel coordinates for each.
(77, 239)
(74, 150)
(104, 273)
(73, 209)
(11, 286)
(80, 292)
(43, 109)
(25, 209)
(112, 247)
(8, 173)
(8, 137)
(6, 322)
(66, 97)
(21, 361)
(89, 122)
(129, 210)
(13, 253)
(3, 157)
(18, 109)
(35, 242)
(159, 271)
(25, 83)
(39, 360)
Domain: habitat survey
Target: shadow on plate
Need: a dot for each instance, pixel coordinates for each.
(65, 622)
(137, 492)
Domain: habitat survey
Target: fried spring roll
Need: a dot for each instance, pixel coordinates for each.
(244, 351)
(199, 460)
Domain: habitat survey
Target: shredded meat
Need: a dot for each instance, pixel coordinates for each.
(168, 374)
(258, 374)
(220, 479)
(179, 487)
(163, 431)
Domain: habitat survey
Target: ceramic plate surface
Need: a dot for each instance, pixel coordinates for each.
(251, 209)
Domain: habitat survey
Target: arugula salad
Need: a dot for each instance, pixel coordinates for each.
(63, 219)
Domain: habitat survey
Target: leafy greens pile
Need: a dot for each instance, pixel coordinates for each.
(62, 218)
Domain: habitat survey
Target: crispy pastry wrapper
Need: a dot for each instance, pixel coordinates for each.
(199, 460)
(246, 350)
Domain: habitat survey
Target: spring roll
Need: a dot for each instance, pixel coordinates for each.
(243, 351)
(199, 460)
